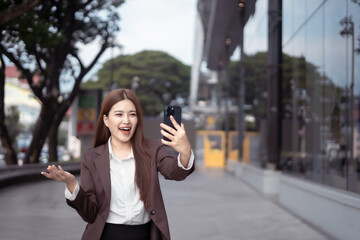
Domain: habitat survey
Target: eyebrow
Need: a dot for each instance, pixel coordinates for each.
(120, 111)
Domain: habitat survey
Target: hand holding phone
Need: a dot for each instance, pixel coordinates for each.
(174, 129)
(174, 111)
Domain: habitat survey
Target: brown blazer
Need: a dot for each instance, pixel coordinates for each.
(93, 200)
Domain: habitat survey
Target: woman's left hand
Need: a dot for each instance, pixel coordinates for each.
(178, 139)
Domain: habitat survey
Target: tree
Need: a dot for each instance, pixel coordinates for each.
(15, 10)
(10, 12)
(46, 41)
(5, 136)
(161, 78)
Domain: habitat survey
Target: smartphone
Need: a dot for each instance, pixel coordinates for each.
(175, 111)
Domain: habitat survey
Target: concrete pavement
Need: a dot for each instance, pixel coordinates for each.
(214, 205)
(211, 204)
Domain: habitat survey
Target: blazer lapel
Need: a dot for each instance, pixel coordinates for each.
(102, 164)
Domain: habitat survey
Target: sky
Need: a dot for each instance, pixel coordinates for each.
(163, 25)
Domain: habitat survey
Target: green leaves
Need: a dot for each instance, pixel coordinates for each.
(161, 78)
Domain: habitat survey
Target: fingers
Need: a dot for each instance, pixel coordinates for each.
(46, 175)
(176, 128)
(167, 135)
(167, 143)
(168, 128)
(174, 122)
(61, 170)
(55, 173)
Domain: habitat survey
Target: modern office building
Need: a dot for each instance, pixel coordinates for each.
(320, 39)
(299, 76)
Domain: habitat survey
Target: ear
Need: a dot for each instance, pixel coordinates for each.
(105, 119)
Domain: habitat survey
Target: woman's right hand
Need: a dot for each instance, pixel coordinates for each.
(58, 174)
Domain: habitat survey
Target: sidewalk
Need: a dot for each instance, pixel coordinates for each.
(214, 205)
(211, 204)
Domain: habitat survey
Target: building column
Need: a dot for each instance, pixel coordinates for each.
(274, 76)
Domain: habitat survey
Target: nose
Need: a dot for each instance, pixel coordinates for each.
(126, 119)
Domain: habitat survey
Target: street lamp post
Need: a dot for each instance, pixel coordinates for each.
(347, 31)
(135, 83)
(112, 84)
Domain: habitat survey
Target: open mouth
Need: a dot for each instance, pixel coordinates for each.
(125, 130)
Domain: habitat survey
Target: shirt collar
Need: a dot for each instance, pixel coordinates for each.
(112, 155)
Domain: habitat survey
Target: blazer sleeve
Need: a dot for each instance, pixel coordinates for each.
(85, 202)
(167, 164)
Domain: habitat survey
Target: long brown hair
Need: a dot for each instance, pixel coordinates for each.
(140, 148)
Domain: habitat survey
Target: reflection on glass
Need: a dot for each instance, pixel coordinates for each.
(321, 107)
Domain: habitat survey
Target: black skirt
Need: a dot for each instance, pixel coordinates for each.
(126, 232)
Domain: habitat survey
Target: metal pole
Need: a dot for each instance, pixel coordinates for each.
(274, 83)
(295, 124)
(241, 95)
(352, 163)
(111, 82)
(352, 88)
(225, 74)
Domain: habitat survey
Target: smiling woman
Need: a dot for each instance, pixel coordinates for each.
(114, 195)
(121, 122)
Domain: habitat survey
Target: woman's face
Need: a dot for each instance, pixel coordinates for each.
(122, 121)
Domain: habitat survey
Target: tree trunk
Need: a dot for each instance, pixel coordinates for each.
(53, 133)
(53, 142)
(6, 143)
(10, 157)
(40, 132)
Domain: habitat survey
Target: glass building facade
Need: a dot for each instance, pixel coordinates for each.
(320, 87)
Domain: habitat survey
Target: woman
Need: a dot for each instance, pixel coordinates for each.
(119, 194)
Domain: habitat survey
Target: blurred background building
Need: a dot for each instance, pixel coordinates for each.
(19, 100)
(287, 80)
(18, 94)
(23, 108)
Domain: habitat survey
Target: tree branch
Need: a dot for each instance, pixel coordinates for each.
(79, 60)
(38, 61)
(28, 75)
(104, 46)
(44, 73)
(17, 10)
(84, 71)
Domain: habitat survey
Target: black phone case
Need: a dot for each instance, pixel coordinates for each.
(175, 111)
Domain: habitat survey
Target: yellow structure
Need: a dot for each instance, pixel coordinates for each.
(246, 147)
(214, 148)
(233, 146)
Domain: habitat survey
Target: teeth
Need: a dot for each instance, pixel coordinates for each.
(125, 129)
